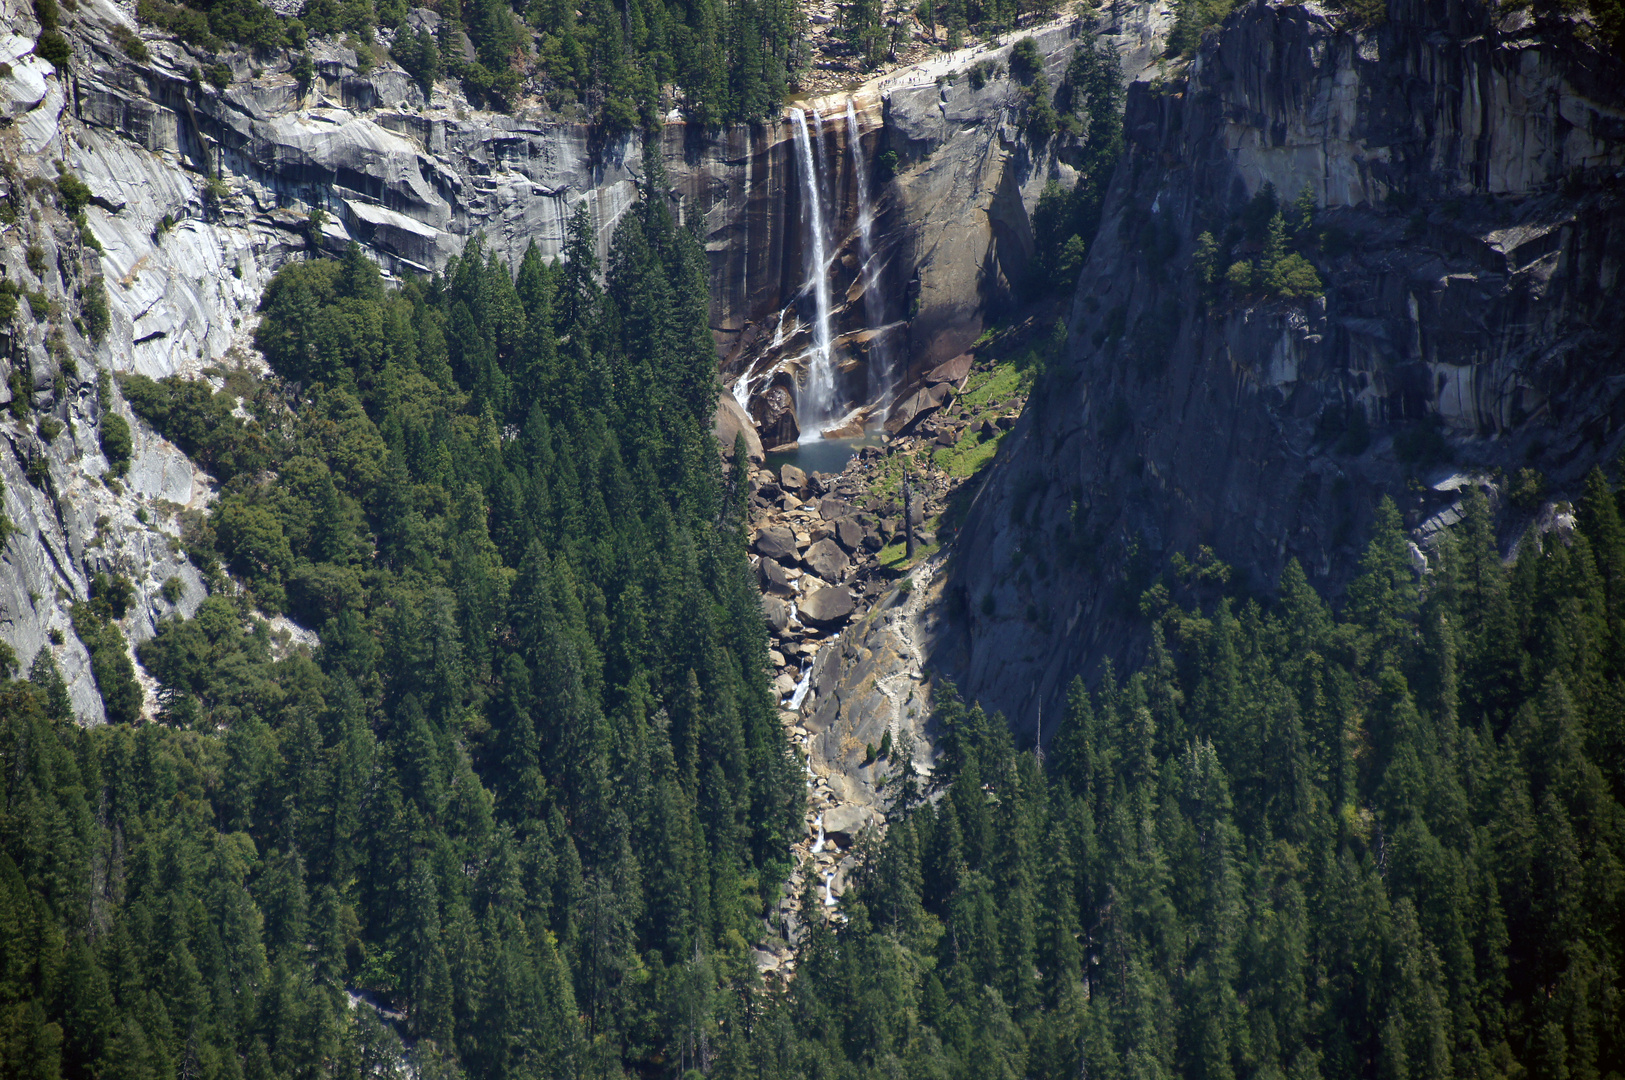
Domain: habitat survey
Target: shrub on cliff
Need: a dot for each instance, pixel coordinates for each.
(109, 662)
(116, 443)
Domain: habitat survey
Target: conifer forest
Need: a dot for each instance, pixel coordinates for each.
(507, 690)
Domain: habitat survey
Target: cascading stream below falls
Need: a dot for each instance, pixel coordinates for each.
(815, 397)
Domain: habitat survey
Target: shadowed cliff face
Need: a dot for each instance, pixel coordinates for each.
(1469, 235)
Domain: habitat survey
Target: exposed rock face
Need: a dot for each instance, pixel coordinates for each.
(826, 559)
(1471, 169)
(777, 542)
(827, 607)
(69, 522)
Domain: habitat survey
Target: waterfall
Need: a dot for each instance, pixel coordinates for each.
(815, 397)
(801, 688)
(879, 365)
(818, 845)
(744, 245)
(829, 892)
(854, 144)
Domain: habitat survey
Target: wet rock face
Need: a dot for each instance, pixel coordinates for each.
(413, 179)
(1469, 245)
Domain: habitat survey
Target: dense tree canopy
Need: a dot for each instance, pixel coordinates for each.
(522, 810)
(719, 61)
(531, 790)
(1380, 843)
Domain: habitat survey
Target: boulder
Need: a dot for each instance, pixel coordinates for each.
(849, 534)
(917, 406)
(827, 607)
(792, 479)
(826, 559)
(784, 686)
(833, 509)
(844, 823)
(776, 542)
(731, 421)
(772, 578)
(777, 614)
(950, 371)
(775, 416)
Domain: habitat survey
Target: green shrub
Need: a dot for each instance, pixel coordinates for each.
(191, 415)
(73, 195)
(129, 41)
(218, 76)
(1297, 278)
(303, 72)
(49, 428)
(1042, 119)
(1363, 14)
(35, 258)
(1528, 489)
(1191, 19)
(1025, 59)
(111, 597)
(93, 304)
(8, 301)
(22, 392)
(53, 49)
(116, 442)
(1422, 444)
(109, 664)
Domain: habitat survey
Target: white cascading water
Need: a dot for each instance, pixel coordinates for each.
(873, 305)
(829, 891)
(815, 399)
(801, 688)
(818, 845)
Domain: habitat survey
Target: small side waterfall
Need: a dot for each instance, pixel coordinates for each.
(815, 396)
(880, 374)
(818, 844)
(829, 891)
(802, 687)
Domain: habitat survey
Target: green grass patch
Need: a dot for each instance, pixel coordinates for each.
(969, 454)
(894, 557)
(985, 389)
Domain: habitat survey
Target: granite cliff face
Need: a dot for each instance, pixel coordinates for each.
(1467, 172)
(198, 195)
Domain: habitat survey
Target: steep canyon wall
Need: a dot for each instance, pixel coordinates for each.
(1466, 165)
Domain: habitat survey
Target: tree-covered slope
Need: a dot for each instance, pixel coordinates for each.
(531, 789)
(1384, 842)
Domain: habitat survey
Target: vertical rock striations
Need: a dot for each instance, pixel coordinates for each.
(1465, 170)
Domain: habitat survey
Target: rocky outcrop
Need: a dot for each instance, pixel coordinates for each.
(951, 232)
(1466, 167)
